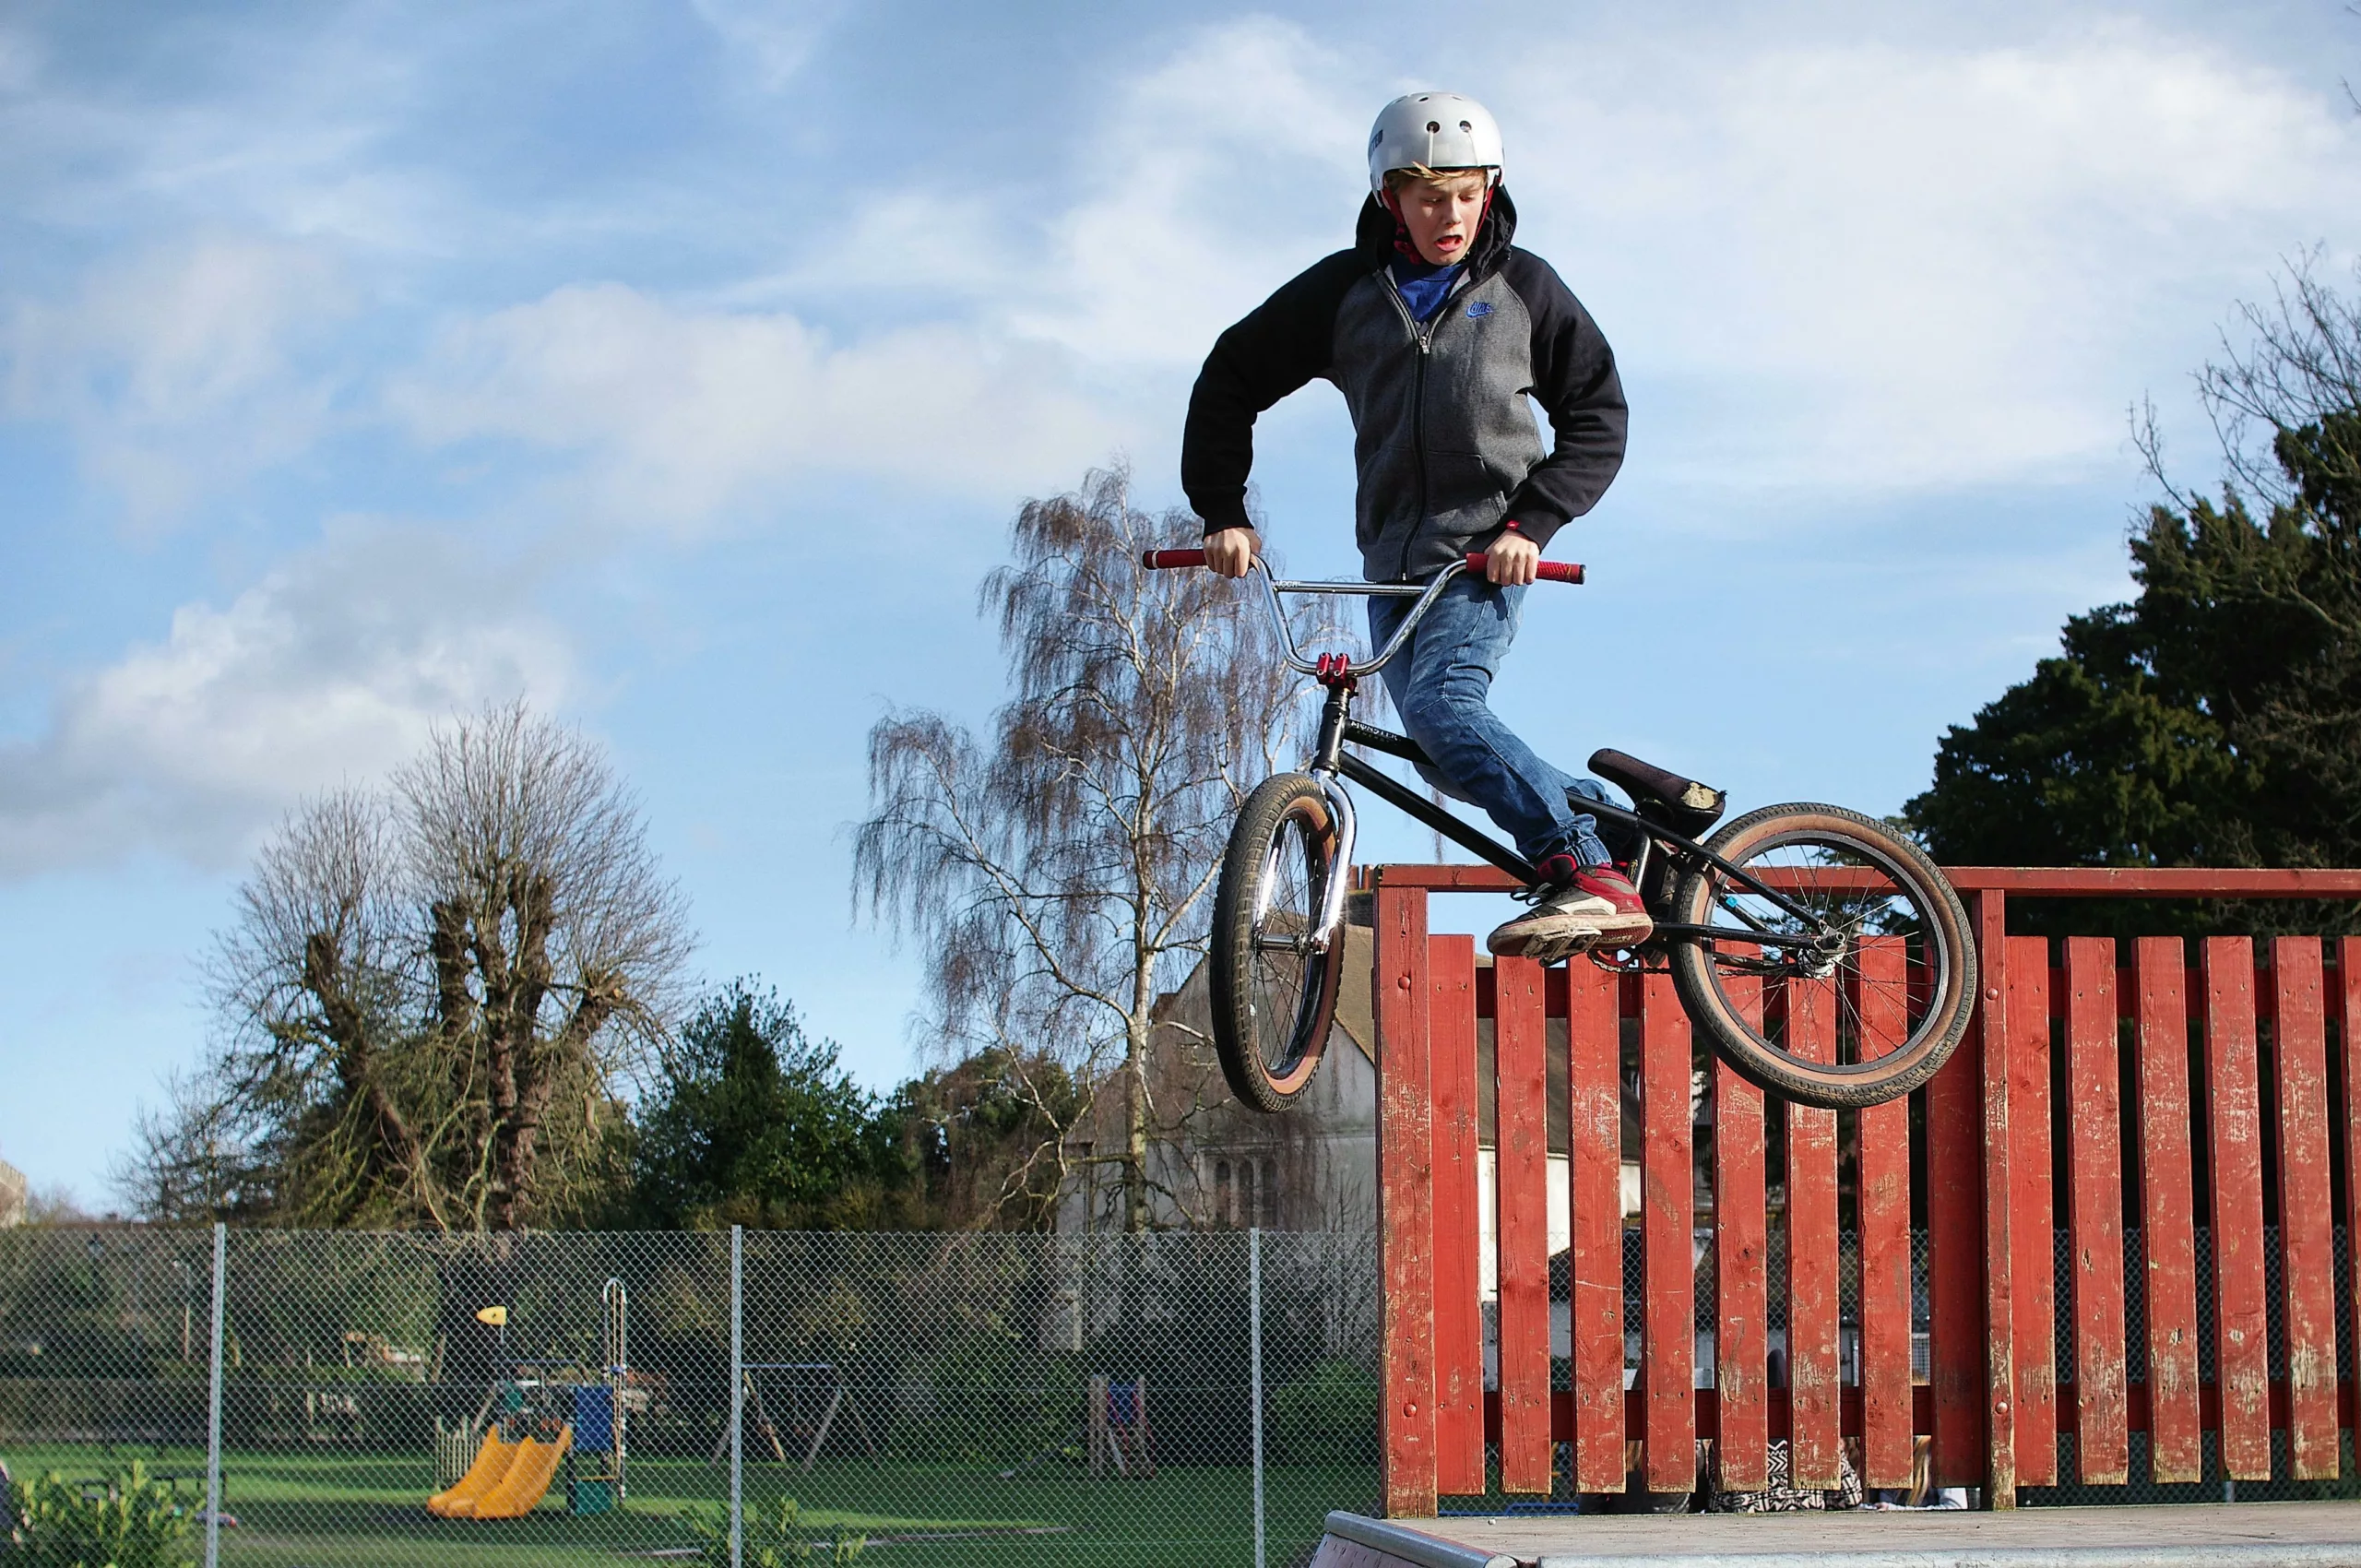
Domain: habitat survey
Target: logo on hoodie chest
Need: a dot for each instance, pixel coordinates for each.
(1480, 308)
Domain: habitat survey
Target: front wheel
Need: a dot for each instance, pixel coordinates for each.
(1845, 975)
(1272, 978)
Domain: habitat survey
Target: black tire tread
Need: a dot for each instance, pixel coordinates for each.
(1692, 976)
(1232, 957)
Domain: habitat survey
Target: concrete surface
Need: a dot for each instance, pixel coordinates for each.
(2245, 1535)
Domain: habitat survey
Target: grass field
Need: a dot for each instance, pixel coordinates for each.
(310, 1510)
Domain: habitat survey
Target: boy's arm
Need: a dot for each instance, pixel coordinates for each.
(1282, 344)
(1574, 380)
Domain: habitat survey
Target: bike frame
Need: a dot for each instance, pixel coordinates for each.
(1331, 764)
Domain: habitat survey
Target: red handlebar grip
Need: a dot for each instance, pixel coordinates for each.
(1164, 559)
(1547, 572)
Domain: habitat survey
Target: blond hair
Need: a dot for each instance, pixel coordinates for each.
(1419, 175)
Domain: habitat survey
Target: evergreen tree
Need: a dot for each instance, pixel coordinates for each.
(755, 1123)
(2215, 718)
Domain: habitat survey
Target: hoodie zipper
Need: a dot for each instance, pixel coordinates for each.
(1421, 334)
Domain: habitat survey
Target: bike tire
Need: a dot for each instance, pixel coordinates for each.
(1724, 983)
(1273, 1005)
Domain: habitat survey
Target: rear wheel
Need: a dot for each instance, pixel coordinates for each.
(1273, 987)
(1853, 984)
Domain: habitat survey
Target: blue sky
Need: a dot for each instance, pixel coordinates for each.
(679, 367)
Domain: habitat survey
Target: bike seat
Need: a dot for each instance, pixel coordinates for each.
(1689, 807)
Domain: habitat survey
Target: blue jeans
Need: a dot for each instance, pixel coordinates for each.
(1439, 683)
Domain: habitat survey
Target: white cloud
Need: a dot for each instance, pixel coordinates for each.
(1869, 265)
(678, 413)
(1216, 176)
(330, 669)
(182, 369)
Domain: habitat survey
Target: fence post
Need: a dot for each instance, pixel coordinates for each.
(737, 1393)
(213, 1401)
(1255, 1360)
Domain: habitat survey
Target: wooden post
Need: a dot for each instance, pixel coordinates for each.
(2095, 1211)
(1741, 1344)
(1815, 1402)
(1521, 1140)
(1595, 1171)
(1405, 1200)
(2168, 1222)
(1999, 1292)
(1882, 1177)
(1955, 1267)
(2306, 1231)
(2234, 1139)
(1668, 1204)
(2032, 1211)
(1459, 1323)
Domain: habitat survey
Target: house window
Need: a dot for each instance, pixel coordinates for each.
(1225, 1199)
(1270, 1194)
(1247, 1189)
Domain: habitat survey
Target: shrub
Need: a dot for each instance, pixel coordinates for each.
(135, 1525)
(1329, 1417)
(774, 1538)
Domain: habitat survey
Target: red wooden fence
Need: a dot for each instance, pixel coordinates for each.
(2079, 1063)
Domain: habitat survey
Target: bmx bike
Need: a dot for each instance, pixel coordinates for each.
(1823, 955)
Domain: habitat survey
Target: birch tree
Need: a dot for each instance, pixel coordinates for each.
(1059, 875)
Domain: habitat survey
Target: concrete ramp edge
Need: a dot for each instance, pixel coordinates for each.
(2256, 1554)
(1414, 1546)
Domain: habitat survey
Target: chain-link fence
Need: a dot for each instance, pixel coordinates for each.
(761, 1398)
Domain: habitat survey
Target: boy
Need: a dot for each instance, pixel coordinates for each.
(1436, 330)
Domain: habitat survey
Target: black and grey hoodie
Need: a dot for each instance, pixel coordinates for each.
(1445, 442)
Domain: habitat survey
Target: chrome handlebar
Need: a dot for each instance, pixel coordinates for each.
(1425, 594)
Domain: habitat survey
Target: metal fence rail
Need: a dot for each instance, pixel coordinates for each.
(729, 1398)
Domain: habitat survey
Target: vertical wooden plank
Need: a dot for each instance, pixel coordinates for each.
(1595, 1171)
(2095, 1210)
(1999, 1295)
(1405, 1199)
(2307, 1229)
(2234, 1140)
(1955, 1260)
(2348, 1015)
(1882, 1185)
(1741, 1342)
(1667, 1187)
(1814, 1395)
(2167, 1213)
(1459, 1324)
(1520, 1046)
(2033, 1211)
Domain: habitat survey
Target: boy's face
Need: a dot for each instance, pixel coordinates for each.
(1441, 216)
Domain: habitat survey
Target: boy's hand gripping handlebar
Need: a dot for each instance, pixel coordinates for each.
(1547, 572)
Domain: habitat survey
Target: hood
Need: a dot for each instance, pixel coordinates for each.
(1373, 235)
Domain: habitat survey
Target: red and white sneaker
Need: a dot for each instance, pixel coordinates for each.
(1576, 908)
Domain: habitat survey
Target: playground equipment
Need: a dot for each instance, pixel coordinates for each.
(1118, 1429)
(601, 1413)
(816, 1395)
(507, 1480)
(550, 1416)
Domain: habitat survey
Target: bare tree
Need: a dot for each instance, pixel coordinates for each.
(1062, 878)
(429, 992)
(2299, 370)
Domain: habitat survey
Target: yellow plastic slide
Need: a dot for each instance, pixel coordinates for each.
(492, 1463)
(529, 1476)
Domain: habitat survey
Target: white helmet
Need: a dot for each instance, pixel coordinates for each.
(1441, 130)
